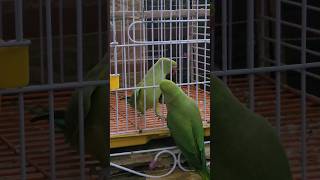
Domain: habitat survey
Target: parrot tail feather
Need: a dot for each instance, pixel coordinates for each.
(39, 118)
(205, 175)
(130, 99)
(58, 118)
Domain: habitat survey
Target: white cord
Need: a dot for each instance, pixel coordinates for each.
(155, 159)
(162, 151)
(179, 163)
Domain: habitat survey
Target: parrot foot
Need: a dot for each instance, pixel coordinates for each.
(122, 97)
(158, 112)
(140, 115)
(161, 117)
(152, 164)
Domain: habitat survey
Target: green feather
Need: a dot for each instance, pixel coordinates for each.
(94, 106)
(185, 125)
(245, 144)
(145, 97)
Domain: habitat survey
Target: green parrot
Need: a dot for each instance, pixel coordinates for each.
(95, 117)
(185, 124)
(155, 74)
(246, 146)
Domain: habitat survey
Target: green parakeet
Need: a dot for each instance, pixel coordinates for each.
(95, 116)
(246, 146)
(145, 97)
(185, 125)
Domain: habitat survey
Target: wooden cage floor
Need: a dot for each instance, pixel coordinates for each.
(129, 120)
(67, 160)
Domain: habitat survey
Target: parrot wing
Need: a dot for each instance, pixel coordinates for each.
(137, 93)
(98, 72)
(197, 127)
(184, 136)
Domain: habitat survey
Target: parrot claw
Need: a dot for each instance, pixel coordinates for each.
(140, 114)
(152, 164)
(161, 117)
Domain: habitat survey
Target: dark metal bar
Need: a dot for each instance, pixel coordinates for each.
(224, 38)
(41, 41)
(278, 63)
(19, 20)
(19, 38)
(57, 86)
(230, 31)
(291, 24)
(1, 30)
(106, 20)
(100, 30)
(22, 138)
(239, 22)
(213, 5)
(303, 91)
(293, 46)
(15, 43)
(51, 98)
(267, 69)
(299, 4)
(262, 47)
(313, 75)
(80, 79)
(61, 41)
(250, 49)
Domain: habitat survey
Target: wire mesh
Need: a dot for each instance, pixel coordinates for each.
(143, 32)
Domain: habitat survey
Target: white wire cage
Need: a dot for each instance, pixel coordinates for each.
(143, 32)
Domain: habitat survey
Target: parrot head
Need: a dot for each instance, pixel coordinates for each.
(169, 90)
(167, 63)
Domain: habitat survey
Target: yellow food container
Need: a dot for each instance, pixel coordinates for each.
(14, 66)
(114, 81)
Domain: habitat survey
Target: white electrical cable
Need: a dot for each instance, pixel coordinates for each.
(155, 159)
(176, 161)
(179, 164)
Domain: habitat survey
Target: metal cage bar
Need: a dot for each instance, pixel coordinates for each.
(51, 96)
(80, 79)
(303, 90)
(19, 38)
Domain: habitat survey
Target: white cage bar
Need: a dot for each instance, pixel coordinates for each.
(143, 32)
